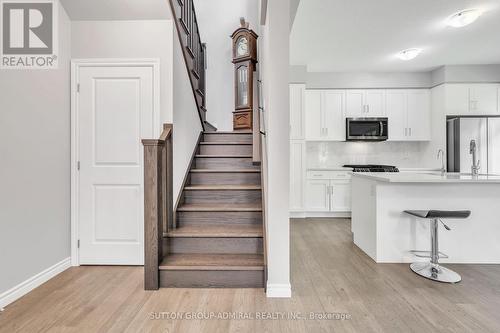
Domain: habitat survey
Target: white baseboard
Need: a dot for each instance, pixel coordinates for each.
(25, 287)
(279, 290)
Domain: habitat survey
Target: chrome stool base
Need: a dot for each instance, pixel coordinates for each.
(435, 272)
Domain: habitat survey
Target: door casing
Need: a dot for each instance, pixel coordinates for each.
(76, 64)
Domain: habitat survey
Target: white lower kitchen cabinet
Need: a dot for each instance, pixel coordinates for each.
(318, 195)
(340, 196)
(328, 191)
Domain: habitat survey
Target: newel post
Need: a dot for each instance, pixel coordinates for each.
(153, 212)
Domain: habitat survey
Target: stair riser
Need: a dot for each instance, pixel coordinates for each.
(225, 149)
(213, 245)
(222, 196)
(208, 137)
(211, 279)
(226, 178)
(197, 218)
(224, 163)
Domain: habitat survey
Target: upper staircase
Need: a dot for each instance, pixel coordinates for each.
(214, 236)
(217, 238)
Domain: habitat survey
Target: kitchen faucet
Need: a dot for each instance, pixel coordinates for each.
(441, 154)
(475, 163)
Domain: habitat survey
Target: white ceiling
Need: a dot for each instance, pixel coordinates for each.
(83, 10)
(365, 35)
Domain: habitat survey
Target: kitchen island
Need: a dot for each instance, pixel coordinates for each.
(385, 233)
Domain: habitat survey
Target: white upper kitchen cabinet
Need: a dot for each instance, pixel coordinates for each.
(419, 115)
(314, 118)
(324, 111)
(471, 99)
(297, 121)
(396, 109)
(375, 102)
(483, 99)
(408, 112)
(355, 103)
(365, 103)
(333, 113)
(457, 99)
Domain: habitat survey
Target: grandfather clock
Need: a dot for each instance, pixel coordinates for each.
(244, 60)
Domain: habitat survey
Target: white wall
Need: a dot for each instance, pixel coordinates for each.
(218, 19)
(35, 167)
(368, 80)
(187, 125)
(274, 74)
(129, 39)
(466, 73)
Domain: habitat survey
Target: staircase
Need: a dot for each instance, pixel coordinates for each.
(217, 236)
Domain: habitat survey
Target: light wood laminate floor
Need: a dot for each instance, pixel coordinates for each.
(329, 275)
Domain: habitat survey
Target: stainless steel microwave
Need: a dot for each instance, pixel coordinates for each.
(367, 129)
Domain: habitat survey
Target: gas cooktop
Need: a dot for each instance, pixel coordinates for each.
(372, 168)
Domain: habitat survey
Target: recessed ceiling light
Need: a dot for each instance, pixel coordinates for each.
(409, 54)
(463, 18)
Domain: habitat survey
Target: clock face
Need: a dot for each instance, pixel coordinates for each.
(242, 47)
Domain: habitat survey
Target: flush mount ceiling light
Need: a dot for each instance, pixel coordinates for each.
(409, 54)
(463, 18)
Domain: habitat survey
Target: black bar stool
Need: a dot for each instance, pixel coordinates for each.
(432, 270)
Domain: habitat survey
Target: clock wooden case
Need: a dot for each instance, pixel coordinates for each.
(244, 60)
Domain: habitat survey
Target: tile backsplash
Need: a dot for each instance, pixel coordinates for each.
(335, 154)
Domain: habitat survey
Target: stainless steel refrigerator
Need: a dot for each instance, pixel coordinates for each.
(486, 133)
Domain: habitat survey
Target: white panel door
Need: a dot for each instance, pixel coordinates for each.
(419, 115)
(375, 102)
(333, 114)
(484, 99)
(355, 103)
(317, 196)
(457, 99)
(115, 111)
(313, 115)
(297, 159)
(297, 111)
(341, 196)
(396, 109)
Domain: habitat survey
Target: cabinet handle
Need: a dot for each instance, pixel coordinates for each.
(326, 131)
(409, 131)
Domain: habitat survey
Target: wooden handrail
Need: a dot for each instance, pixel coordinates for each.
(158, 202)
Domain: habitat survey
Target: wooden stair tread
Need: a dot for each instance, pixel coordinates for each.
(223, 188)
(222, 262)
(222, 207)
(225, 170)
(223, 156)
(228, 143)
(218, 230)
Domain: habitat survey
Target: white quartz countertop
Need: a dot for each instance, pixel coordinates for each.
(430, 177)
